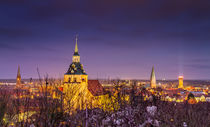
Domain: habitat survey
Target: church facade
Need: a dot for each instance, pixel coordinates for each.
(79, 92)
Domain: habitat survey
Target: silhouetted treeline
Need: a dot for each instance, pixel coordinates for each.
(19, 108)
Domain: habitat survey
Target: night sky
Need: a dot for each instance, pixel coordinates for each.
(117, 38)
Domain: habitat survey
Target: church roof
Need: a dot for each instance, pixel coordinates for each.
(95, 88)
(76, 68)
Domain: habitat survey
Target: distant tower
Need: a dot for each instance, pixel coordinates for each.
(181, 82)
(18, 79)
(153, 79)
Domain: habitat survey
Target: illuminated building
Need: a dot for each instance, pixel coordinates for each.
(181, 82)
(79, 92)
(76, 73)
(18, 79)
(153, 79)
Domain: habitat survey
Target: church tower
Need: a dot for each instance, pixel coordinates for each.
(181, 82)
(18, 79)
(76, 72)
(153, 79)
(79, 93)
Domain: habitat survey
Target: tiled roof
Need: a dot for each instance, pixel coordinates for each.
(76, 68)
(95, 88)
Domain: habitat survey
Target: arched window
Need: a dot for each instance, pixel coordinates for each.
(75, 79)
(69, 79)
(83, 79)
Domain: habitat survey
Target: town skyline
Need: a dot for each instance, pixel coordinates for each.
(105, 63)
(105, 76)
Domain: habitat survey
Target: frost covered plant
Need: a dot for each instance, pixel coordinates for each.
(184, 124)
(151, 110)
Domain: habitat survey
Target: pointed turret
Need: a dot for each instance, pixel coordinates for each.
(76, 57)
(18, 79)
(153, 79)
(76, 48)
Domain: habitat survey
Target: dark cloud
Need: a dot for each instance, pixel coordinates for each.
(12, 2)
(44, 48)
(141, 30)
(199, 66)
(123, 10)
(10, 47)
(199, 60)
(14, 32)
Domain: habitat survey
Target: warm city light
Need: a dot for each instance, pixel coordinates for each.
(181, 77)
(104, 63)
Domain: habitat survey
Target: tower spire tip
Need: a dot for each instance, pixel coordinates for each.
(76, 47)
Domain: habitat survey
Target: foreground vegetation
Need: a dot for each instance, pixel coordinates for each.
(44, 111)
